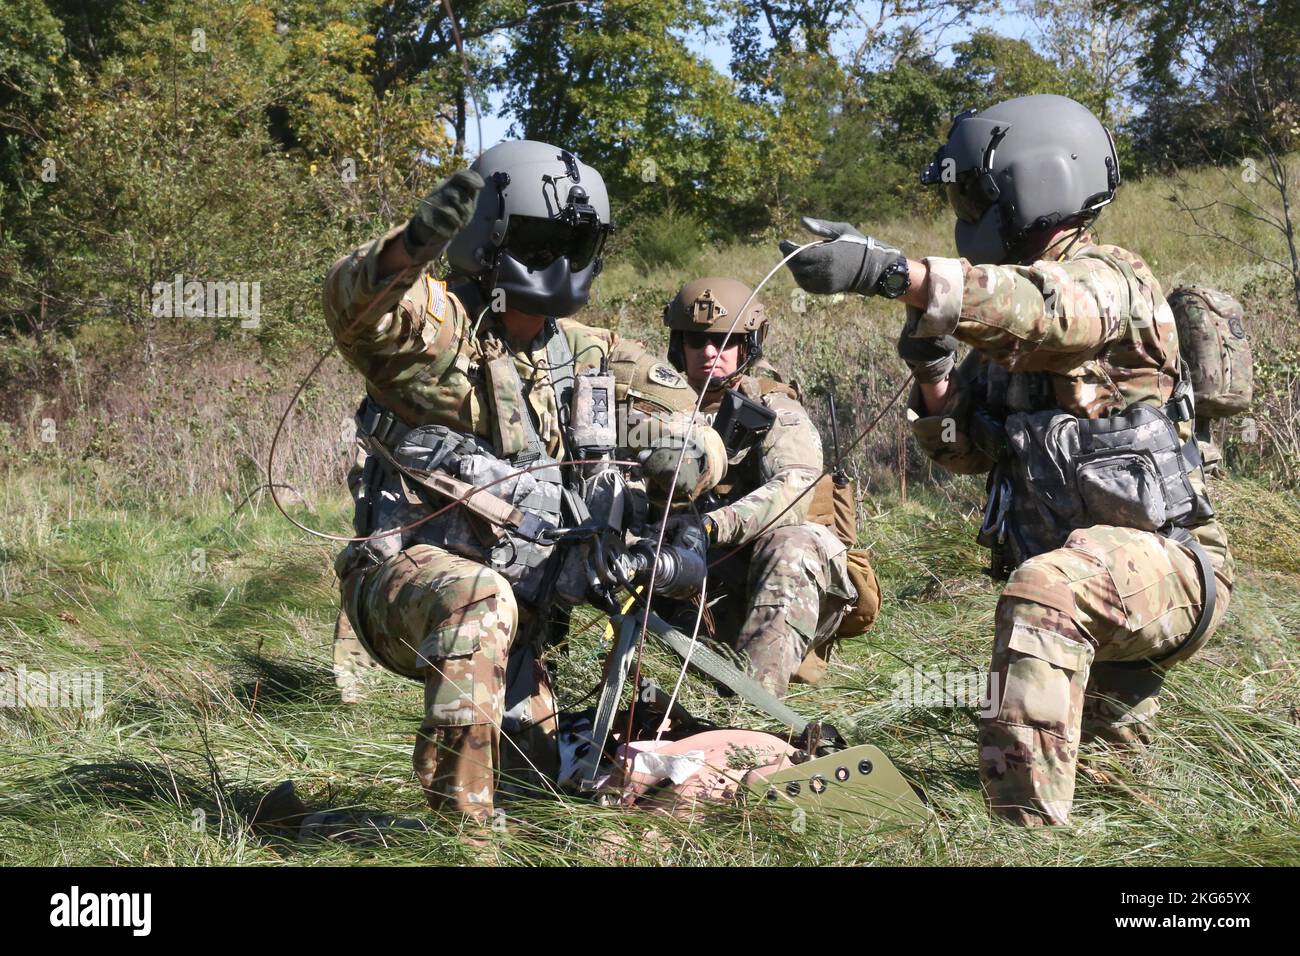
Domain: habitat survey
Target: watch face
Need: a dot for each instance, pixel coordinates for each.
(895, 280)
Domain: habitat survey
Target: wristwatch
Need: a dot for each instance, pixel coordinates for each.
(895, 280)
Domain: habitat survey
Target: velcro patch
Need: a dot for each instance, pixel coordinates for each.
(667, 376)
(437, 305)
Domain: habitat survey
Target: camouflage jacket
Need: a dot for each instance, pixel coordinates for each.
(1095, 328)
(423, 358)
(763, 480)
(417, 348)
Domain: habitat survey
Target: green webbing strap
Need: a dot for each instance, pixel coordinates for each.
(620, 657)
(559, 359)
(726, 673)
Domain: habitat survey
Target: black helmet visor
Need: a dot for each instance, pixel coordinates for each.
(968, 196)
(538, 242)
(971, 190)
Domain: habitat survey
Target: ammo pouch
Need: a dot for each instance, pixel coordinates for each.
(1057, 473)
(503, 525)
(1131, 470)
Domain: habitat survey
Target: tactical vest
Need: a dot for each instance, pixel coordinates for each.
(506, 524)
(1056, 472)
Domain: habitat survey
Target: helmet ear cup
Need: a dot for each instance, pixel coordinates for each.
(676, 354)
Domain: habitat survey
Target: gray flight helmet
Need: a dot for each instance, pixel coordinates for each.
(1021, 167)
(539, 228)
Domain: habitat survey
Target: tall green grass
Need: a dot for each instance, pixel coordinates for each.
(218, 685)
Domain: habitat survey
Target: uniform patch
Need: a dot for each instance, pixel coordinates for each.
(664, 375)
(437, 307)
(1236, 328)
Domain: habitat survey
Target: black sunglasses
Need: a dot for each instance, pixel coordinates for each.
(698, 340)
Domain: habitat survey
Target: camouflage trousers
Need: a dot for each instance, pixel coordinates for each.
(1066, 623)
(450, 621)
(788, 591)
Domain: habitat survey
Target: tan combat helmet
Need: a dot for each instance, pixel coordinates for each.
(711, 304)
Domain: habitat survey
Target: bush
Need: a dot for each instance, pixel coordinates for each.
(669, 238)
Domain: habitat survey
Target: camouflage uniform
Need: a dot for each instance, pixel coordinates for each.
(789, 586)
(429, 606)
(1097, 327)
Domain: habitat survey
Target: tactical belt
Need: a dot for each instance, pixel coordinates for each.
(990, 435)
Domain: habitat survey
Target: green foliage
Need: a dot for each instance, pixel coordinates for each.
(31, 61)
(1222, 80)
(989, 68)
(616, 83)
(669, 238)
(184, 151)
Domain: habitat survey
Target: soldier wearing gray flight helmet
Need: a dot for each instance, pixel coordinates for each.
(1075, 400)
(478, 385)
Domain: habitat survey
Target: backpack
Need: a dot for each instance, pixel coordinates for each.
(1213, 345)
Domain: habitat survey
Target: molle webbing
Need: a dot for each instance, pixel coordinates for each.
(560, 361)
(430, 454)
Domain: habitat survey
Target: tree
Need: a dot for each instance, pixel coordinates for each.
(617, 82)
(989, 68)
(764, 35)
(1238, 64)
(1096, 50)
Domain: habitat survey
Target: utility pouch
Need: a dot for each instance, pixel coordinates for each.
(1213, 344)
(591, 420)
(1131, 470)
(512, 428)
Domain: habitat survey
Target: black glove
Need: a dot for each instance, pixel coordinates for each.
(692, 531)
(930, 359)
(853, 263)
(442, 214)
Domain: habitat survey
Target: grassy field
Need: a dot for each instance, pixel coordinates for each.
(213, 634)
(137, 544)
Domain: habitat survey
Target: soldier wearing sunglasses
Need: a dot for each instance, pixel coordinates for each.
(782, 597)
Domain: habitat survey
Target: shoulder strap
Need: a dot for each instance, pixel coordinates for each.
(559, 359)
(766, 386)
